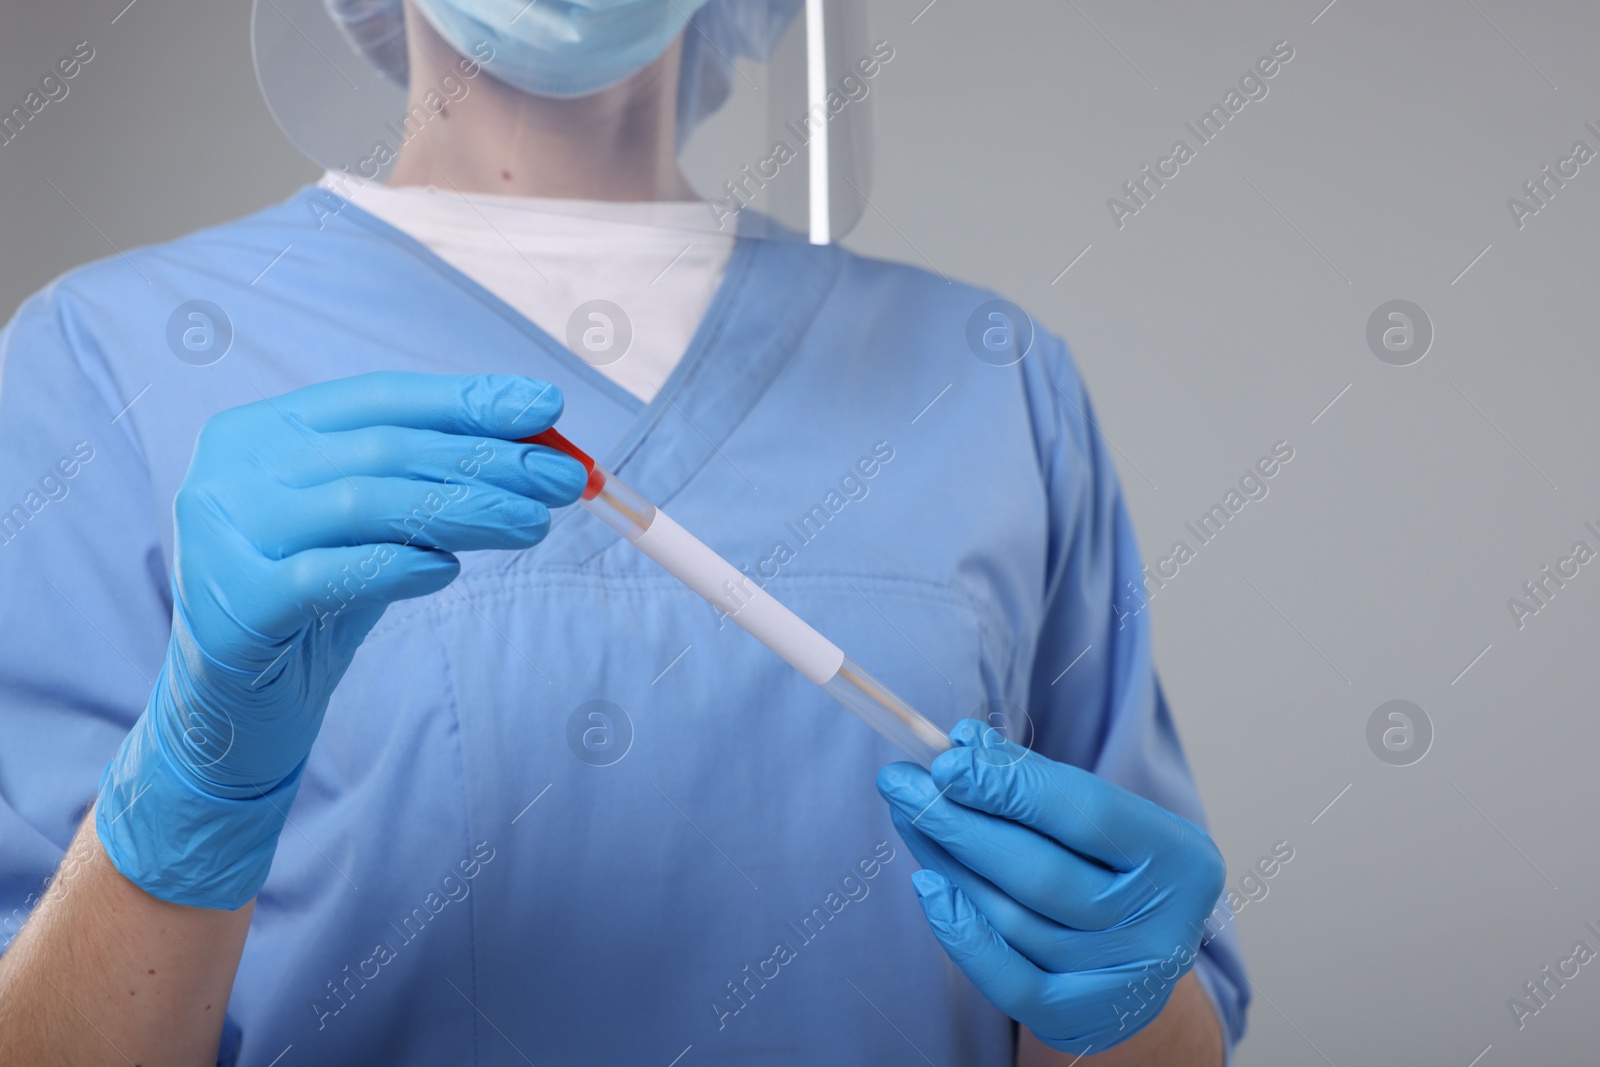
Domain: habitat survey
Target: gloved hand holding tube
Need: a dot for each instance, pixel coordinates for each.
(1051, 888)
(1072, 904)
(284, 498)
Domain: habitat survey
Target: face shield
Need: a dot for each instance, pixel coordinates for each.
(773, 101)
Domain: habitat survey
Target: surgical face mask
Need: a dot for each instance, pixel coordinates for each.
(562, 48)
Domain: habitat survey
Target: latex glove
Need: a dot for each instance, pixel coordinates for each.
(300, 520)
(1072, 904)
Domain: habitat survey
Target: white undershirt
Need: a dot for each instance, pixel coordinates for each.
(550, 258)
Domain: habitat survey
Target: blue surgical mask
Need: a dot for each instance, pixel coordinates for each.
(562, 48)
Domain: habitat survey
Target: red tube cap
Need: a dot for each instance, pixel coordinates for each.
(553, 439)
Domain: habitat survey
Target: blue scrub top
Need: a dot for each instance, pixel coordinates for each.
(479, 870)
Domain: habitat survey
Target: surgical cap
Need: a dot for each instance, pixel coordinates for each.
(720, 32)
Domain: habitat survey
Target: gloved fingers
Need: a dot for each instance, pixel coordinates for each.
(1078, 808)
(1032, 869)
(1074, 1013)
(1002, 975)
(1047, 945)
(321, 581)
(490, 405)
(534, 471)
(355, 583)
(362, 511)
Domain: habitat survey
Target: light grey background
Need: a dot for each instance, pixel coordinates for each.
(1223, 318)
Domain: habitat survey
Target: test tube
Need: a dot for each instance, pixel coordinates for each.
(751, 607)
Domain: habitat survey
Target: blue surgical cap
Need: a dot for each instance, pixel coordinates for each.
(720, 32)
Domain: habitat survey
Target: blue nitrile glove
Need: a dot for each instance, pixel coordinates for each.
(1072, 904)
(301, 519)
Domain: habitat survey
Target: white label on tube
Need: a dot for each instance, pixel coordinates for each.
(683, 556)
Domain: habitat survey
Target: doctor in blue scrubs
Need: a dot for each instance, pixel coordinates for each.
(332, 734)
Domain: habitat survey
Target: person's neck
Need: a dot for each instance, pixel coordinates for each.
(618, 144)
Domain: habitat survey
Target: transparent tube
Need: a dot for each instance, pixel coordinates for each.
(751, 607)
(887, 713)
(616, 504)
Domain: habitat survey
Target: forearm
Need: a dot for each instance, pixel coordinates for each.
(104, 973)
(1186, 1033)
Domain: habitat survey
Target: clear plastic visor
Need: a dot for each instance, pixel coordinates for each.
(775, 101)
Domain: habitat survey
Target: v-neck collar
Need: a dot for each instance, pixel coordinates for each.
(767, 299)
